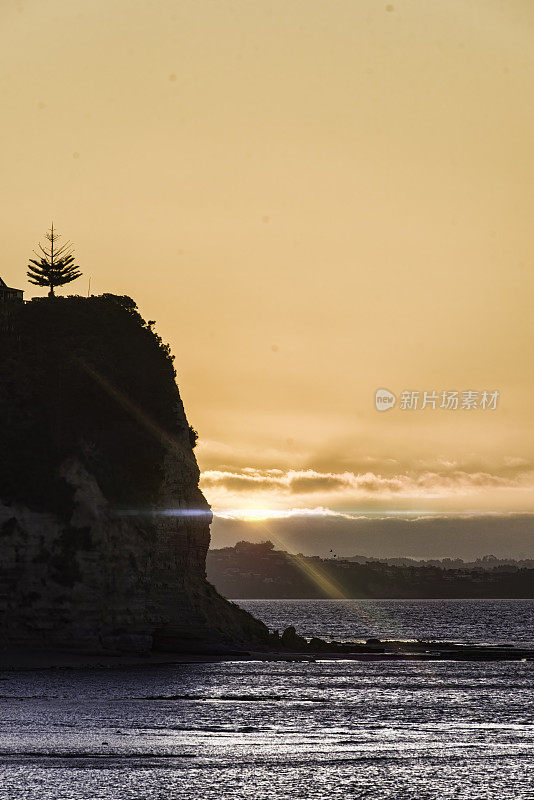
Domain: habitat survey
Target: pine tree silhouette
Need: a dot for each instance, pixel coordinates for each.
(54, 265)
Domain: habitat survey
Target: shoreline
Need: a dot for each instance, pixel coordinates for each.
(19, 659)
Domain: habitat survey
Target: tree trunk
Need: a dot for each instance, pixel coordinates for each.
(51, 292)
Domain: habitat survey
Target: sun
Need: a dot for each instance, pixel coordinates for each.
(262, 514)
(253, 514)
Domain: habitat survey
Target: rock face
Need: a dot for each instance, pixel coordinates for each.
(103, 529)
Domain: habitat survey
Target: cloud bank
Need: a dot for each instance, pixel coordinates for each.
(307, 488)
(466, 536)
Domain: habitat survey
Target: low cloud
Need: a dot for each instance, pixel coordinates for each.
(309, 482)
(465, 536)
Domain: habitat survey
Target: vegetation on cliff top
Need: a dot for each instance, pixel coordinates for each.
(89, 378)
(54, 265)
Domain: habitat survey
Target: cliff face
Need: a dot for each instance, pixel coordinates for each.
(103, 529)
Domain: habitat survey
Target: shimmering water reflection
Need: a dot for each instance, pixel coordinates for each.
(270, 730)
(264, 730)
(479, 621)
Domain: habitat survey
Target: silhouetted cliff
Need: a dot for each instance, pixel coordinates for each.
(103, 529)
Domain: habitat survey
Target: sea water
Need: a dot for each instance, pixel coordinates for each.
(475, 621)
(253, 729)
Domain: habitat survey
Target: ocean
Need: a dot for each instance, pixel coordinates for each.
(264, 730)
(475, 621)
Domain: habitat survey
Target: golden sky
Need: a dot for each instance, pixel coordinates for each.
(314, 199)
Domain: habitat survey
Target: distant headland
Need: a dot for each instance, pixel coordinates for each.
(249, 570)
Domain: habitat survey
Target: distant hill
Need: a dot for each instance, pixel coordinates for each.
(250, 570)
(487, 562)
